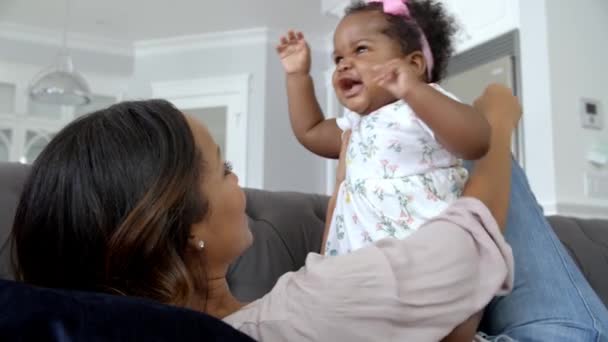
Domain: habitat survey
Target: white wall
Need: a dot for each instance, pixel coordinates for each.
(563, 58)
(578, 49)
(276, 161)
(536, 101)
(43, 55)
(209, 62)
(289, 166)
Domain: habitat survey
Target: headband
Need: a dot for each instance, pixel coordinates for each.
(400, 8)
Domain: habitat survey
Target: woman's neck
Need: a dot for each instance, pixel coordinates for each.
(218, 301)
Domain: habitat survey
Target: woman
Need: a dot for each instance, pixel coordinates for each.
(136, 200)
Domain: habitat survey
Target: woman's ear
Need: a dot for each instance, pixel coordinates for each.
(418, 63)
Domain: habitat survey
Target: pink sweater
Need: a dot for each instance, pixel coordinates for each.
(417, 289)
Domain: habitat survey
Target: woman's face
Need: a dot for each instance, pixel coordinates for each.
(225, 230)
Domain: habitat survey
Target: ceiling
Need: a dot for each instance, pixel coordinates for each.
(151, 19)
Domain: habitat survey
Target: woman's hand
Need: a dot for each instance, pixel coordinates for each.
(490, 180)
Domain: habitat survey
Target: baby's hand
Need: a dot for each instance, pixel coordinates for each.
(397, 77)
(294, 53)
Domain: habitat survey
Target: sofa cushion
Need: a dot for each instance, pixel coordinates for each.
(587, 242)
(12, 177)
(286, 226)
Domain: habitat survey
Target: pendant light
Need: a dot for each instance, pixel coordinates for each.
(60, 84)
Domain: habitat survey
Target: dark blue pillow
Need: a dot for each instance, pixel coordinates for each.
(36, 314)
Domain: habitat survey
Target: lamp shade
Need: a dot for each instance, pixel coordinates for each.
(60, 85)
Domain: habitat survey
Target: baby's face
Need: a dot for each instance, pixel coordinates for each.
(359, 45)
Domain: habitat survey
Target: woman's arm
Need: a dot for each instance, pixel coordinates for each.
(490, 181)
(460, 128)
(503, 112)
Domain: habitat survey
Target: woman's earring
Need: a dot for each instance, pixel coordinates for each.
(201, 244)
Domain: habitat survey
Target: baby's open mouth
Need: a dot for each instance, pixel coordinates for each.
(350, 86)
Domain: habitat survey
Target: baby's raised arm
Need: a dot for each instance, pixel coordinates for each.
(460, 128)
(319, 135)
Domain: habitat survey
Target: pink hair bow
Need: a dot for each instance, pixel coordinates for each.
(400, 8)
(395, 7)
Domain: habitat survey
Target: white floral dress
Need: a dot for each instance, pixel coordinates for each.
(397, 177)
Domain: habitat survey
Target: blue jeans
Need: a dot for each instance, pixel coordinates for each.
(551, 300)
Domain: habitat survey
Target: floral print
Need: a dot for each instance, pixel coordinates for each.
(395, 145)
(368, 147)
(386, 225)
(370, 121)
(340, 227)
(379, 192)
(428, 151)
(398, 177)
(404, 204)
(388, 169)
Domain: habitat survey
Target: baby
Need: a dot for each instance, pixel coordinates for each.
(407, 133)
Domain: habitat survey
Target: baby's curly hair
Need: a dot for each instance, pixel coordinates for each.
(432, 18)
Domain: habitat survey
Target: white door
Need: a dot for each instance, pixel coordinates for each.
(221, 103)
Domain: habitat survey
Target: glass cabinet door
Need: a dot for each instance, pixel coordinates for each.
(35, 142)
(7, 98)
(26, 126)
(6, 136)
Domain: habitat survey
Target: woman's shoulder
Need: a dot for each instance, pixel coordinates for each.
(325, 293)
(324, 282)
(262, 317)
(262, 321)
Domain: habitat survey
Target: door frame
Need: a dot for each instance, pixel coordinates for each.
(231, 92)
(506, 45)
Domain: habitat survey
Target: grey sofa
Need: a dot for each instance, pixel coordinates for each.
(287, 226)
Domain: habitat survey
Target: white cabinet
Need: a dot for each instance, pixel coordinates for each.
(27, 127)
(22, 138)
(482, 20)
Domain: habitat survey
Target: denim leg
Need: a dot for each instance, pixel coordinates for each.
(551, 300)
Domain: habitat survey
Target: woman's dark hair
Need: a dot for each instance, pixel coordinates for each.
(438, 26)
(109, 204)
